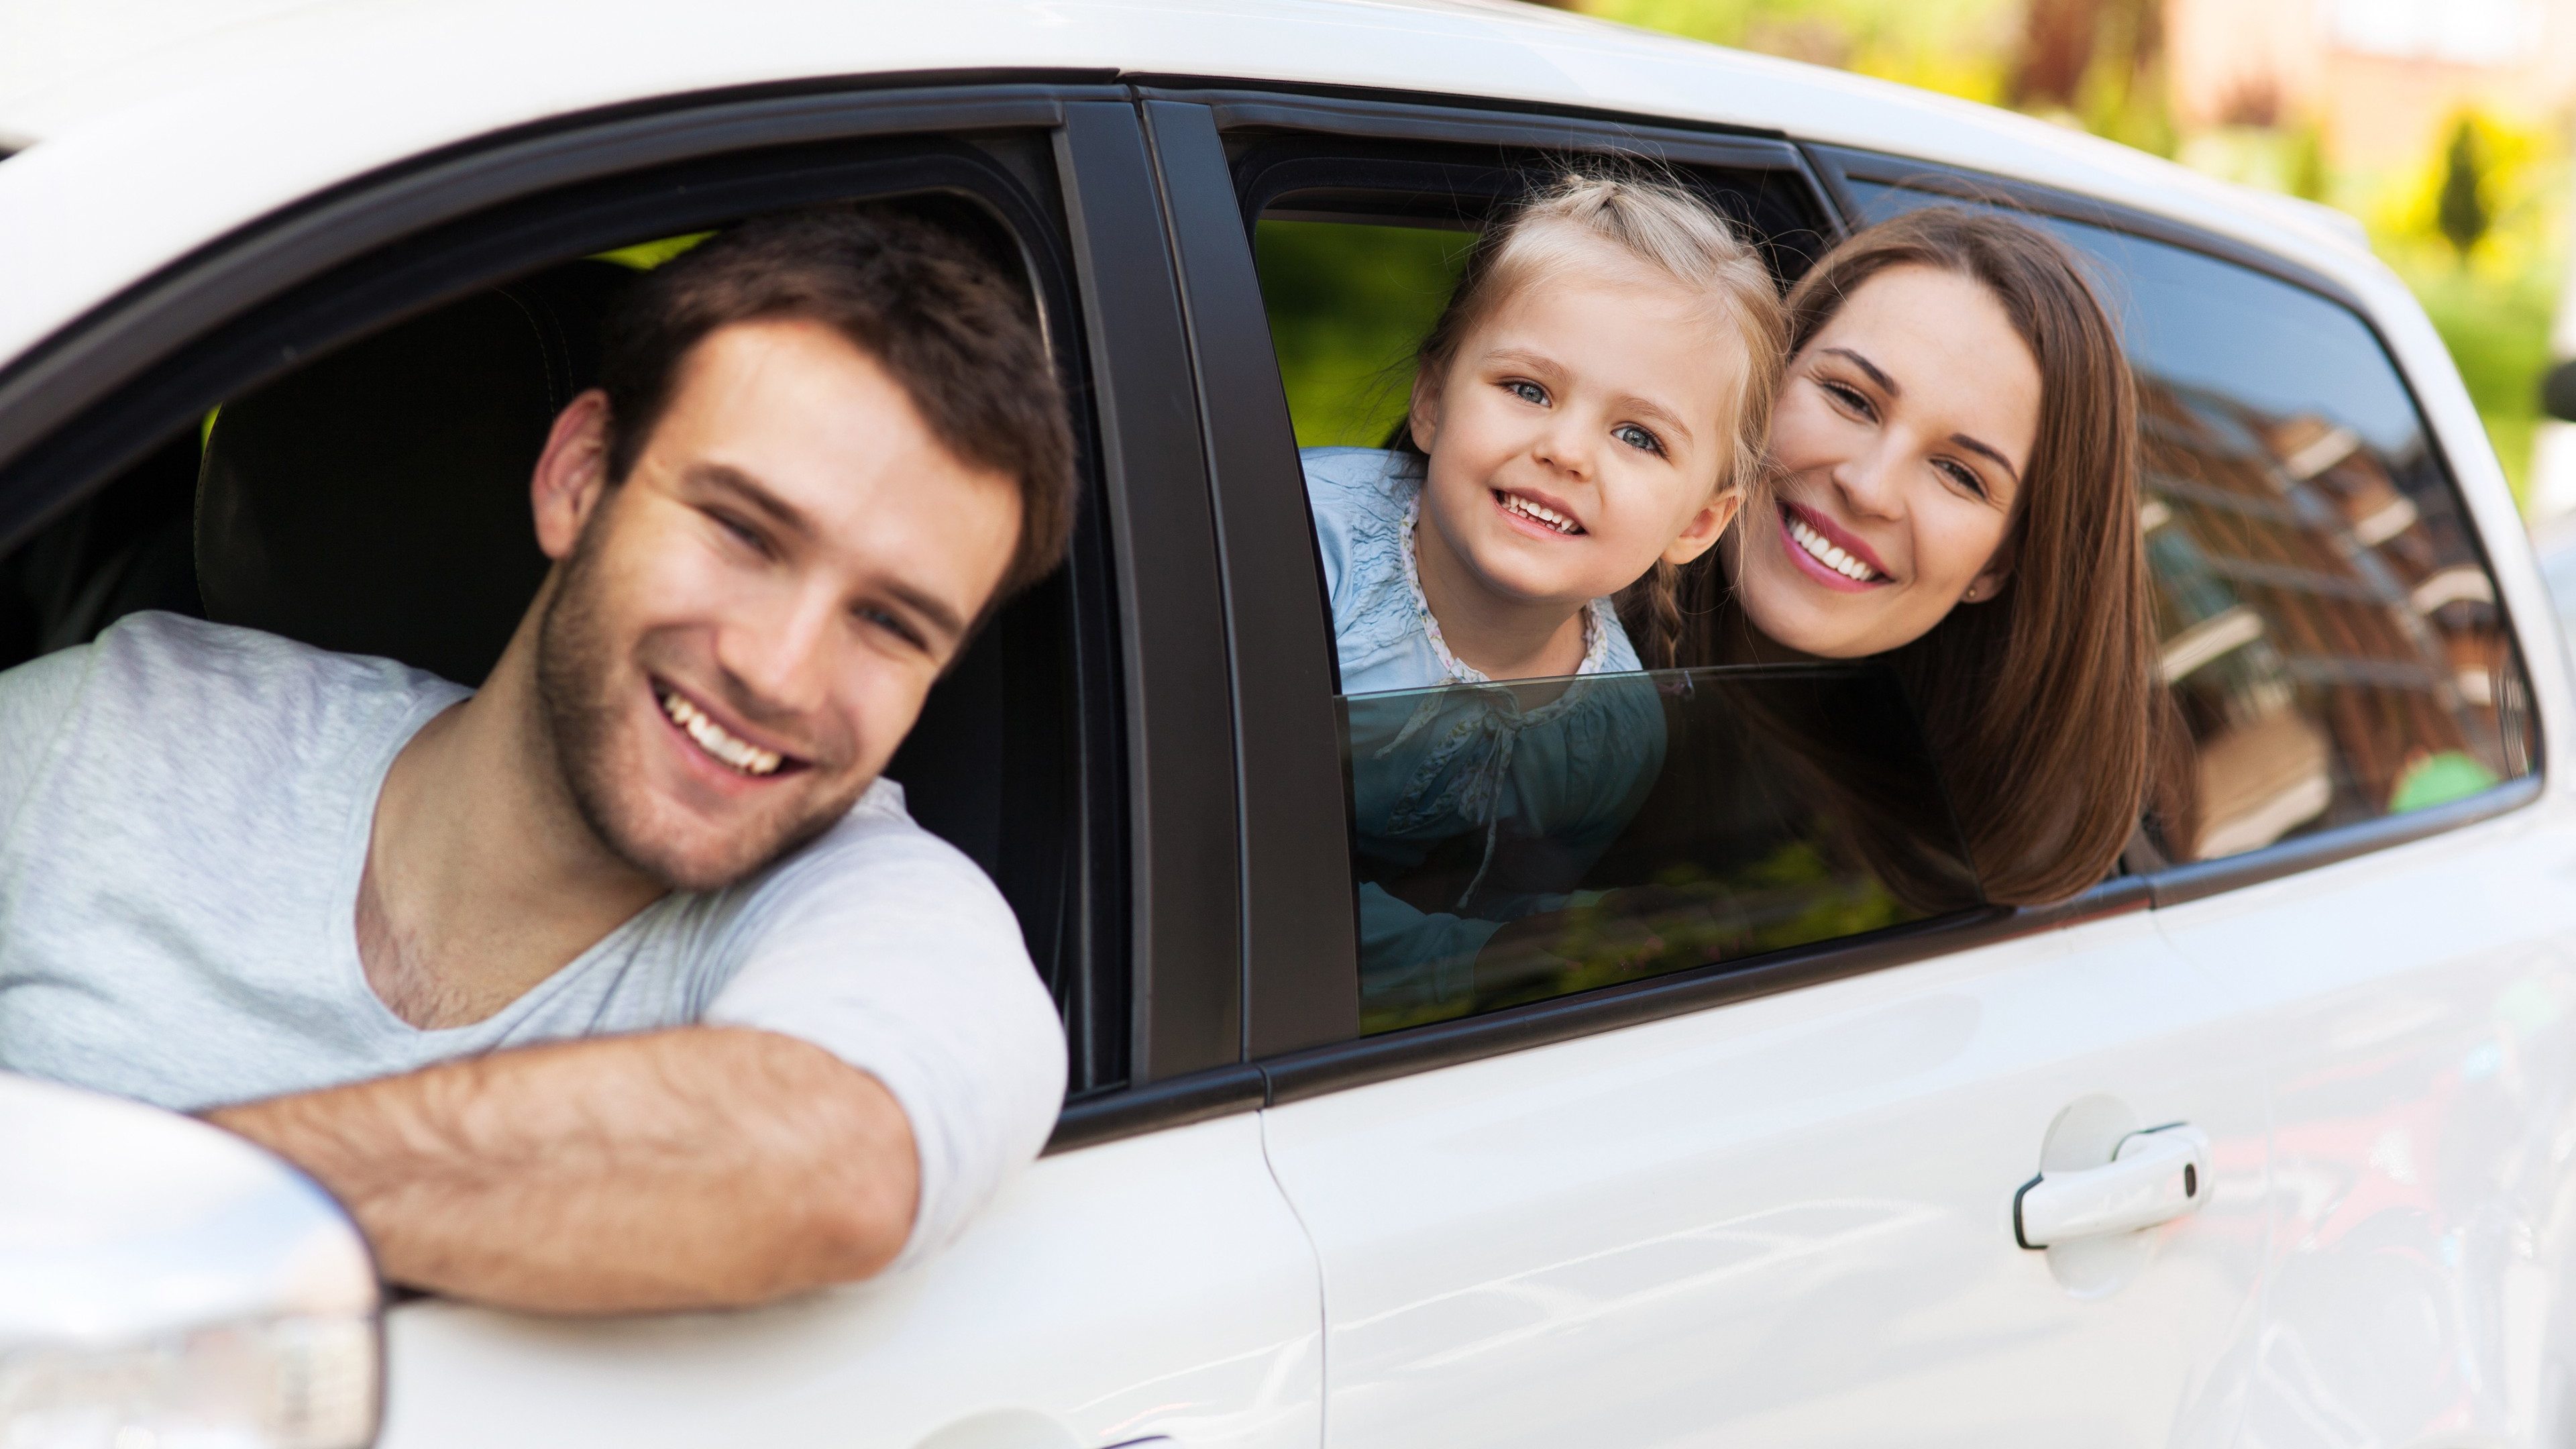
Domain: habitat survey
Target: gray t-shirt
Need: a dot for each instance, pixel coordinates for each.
(184, 814)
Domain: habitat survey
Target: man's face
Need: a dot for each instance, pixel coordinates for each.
(743, 631)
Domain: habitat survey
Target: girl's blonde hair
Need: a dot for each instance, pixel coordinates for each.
(1657, 223)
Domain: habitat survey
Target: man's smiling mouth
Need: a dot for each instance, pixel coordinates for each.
(1537, 512)
(739, 755)
(1825, 552)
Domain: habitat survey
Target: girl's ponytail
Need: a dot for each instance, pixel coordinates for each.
(1662, 588)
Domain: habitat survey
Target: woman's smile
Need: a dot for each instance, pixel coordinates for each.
(1830, 555)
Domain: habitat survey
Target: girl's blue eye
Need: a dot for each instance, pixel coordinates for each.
(1637, 437)
(1528, 392)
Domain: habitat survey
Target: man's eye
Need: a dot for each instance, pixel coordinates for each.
(1526, 391)
(1638, 438)
(892, 625)
(741, 532)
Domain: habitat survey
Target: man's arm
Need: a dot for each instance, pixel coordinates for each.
(699, 1167)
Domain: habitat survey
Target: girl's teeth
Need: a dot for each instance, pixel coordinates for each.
(742, 755)
(1826, 553)
(1538, 512)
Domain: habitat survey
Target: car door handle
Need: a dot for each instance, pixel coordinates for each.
(2153, 1176)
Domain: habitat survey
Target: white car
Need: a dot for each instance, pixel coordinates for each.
(2291, 1124)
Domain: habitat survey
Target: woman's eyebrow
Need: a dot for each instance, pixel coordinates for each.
(1973, 446)
(1886, 384)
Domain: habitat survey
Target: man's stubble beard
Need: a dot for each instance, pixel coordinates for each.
(580, 706)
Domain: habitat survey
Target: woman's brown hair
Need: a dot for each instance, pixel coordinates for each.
(2037, 703)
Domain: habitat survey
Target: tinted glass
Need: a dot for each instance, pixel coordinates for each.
(2330, 630)
(1515, 842)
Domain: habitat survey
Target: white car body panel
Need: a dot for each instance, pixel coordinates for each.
(2386, 1263)
(2420, 1007)
(1151, 1286)
(1789, 1222)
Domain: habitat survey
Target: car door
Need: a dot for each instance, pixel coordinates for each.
(1769, 1200)
(1145, 1282)
(2379, 875)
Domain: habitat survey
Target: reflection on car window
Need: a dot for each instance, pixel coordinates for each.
(1517, 842)
(2330, 632)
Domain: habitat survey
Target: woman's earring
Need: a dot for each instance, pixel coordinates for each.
(1976, 592)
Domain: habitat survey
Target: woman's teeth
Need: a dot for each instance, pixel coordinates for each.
(749, 758)
(1538, 513)
(1826, 553)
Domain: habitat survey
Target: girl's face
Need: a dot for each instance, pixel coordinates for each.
(1898, 446)
(1576, 437)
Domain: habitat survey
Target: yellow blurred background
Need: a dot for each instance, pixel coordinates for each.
(2443, 125)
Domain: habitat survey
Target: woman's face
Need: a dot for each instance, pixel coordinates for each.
(1898, 447)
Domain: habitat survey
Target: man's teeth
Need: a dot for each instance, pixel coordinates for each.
(1824, 552)
(1538, 513)
(749, 758)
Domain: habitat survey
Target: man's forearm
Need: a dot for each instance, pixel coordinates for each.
(700, 1167)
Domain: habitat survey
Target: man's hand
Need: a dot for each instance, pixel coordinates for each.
(701, 1167)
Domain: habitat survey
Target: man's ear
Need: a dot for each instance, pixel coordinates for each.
(1705, 528)
(572, 474)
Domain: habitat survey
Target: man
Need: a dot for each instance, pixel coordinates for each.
(623, 982)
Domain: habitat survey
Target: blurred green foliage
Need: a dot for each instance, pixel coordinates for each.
(2492, 299)
(1348, 305)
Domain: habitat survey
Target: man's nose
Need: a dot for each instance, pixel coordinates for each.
(778, 654)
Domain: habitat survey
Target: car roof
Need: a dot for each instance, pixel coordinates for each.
(161, 124)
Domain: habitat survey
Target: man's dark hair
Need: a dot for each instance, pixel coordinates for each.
(956, 331)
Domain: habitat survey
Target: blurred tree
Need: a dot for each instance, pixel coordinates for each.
(2057, 40)
(2463, 213)
(2099, 62)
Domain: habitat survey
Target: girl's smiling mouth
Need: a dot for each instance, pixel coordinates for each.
(1829, 555)
(1537, 514)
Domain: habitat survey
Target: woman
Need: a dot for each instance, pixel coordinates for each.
(1954, 491)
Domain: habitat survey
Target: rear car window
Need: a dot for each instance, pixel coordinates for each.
(2330, 631)
(1518, 842)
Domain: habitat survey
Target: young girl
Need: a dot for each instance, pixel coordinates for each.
(1588, 413)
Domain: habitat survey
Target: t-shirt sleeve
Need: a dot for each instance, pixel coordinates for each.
(888, 948)
(36, 702)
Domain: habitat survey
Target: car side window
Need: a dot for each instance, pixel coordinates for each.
(1517, 842)
(374, 500)
(2329, 630)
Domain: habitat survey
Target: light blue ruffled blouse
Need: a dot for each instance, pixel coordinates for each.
(1539, 789)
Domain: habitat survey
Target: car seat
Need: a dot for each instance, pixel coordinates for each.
(376, 501)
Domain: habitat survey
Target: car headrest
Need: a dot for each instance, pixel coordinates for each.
(376, 502)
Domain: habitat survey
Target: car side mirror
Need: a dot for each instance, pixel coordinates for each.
(2558, 392)
(164, 1282)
